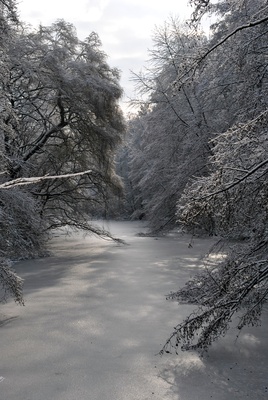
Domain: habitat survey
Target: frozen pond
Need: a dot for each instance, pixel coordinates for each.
(95, 317)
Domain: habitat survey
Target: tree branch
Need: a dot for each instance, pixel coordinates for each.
(239, 28)
(37, 179)
(231, 185)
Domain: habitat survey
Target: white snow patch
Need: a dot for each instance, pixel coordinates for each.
(96, 316)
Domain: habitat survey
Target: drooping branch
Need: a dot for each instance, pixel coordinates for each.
(237, 285)
(10, 282)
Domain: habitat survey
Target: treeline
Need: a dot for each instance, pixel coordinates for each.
(197, 157)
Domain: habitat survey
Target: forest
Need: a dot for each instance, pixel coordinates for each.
(193, 155)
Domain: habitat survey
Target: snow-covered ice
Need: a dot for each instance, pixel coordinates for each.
(95, 317)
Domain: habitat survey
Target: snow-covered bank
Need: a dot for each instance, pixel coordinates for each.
(96, 316)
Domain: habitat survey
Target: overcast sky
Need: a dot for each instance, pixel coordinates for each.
(125, 27)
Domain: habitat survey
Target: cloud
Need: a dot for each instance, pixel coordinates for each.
(125, 27)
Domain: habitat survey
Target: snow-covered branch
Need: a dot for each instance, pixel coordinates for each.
(239, 28)
(37, 179)
(236, 182)
(193, 67)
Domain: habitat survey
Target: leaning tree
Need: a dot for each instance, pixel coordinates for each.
(59, 128)
(65, 97)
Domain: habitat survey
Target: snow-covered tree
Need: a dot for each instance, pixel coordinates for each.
(60, 125)
(231, 200)
(174, 134)
(10, 203)
(232, 203)
(66, 98)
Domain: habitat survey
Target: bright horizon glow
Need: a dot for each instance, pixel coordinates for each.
(125, 27)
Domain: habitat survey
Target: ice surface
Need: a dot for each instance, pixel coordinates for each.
(96, 316)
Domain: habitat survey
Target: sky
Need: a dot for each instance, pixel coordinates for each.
(125, 27)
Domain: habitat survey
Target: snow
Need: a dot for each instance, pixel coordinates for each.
(96, 317)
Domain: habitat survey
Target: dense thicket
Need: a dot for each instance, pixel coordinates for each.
(198, 156)
(59, 117)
